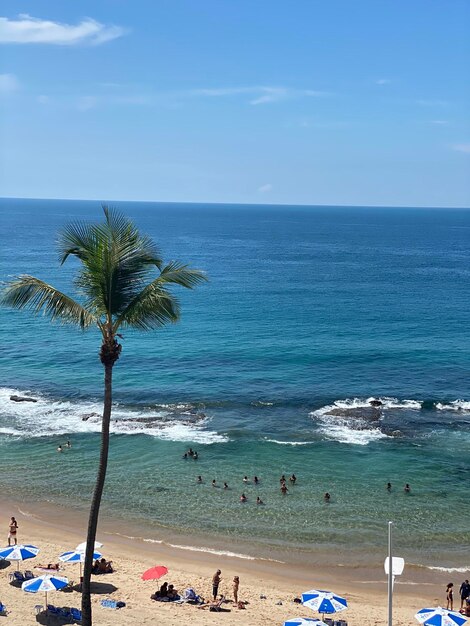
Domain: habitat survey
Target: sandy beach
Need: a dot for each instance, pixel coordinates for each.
(55, 530)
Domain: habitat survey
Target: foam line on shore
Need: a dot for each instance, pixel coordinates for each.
(235, 555)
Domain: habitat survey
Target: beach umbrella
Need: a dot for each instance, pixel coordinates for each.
(82, 546)
(45, 583)
(324, 601)
(304, 621)
(440, 617)
(77, 557)
(19, 553)
(154, 573)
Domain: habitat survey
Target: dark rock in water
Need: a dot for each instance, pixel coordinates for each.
(86, 416)
(22, 399)
(376, 402)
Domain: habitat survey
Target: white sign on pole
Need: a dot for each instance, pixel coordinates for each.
(398, 565)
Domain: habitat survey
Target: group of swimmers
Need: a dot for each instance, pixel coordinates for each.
(61, 447)
(406, 488)
(191, 454)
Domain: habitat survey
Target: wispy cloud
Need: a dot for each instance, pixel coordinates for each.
(28, 29)
(260, 94)
(462, 147)
(383, 81)
(8, 83)
(265, 188)
(440, 122)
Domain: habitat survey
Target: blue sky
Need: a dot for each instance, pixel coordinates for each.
(299, 102)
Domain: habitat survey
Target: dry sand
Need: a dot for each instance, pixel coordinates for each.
(54, 533)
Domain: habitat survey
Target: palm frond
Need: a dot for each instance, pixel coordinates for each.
(28, 292)
(116, 260)
(152, 308)
(180, 274)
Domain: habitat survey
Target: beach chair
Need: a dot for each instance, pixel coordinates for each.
(52, 610)
(3, 610)
(28, 575)
(64, 613)
(38, 608)
(17, 577)
(76, 615)
(328, 621)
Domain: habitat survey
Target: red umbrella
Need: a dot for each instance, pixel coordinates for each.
(154, 573)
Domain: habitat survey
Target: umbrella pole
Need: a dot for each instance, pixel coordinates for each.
(46, 600)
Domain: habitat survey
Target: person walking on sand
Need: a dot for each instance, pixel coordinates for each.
(236, 584)
(13, 527)
(450, 596)
(215, 584)
(464, 592)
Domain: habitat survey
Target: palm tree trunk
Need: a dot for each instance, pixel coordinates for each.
(96, 501)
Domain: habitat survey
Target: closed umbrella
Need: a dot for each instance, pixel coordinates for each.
(19, 553)
(324, 601)
(440, 617)
(45, 583)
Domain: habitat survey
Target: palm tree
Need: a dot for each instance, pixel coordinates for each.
(116, 263)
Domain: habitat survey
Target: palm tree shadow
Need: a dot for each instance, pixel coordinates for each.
(98, 588)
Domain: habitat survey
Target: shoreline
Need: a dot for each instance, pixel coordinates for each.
(45, 518)
(54, 529)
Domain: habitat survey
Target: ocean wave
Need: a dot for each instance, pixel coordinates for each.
(358, 421)
(49, 416)
(447, 569)
(289, 443)
(456, 405)
(236, 555)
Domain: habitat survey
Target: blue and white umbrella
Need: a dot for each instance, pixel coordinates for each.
(440, 617)
(76, 556)
(304, 621)
(19, 553)
(47, 582)
(324, 601)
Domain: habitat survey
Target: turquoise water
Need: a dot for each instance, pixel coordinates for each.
(309, 314)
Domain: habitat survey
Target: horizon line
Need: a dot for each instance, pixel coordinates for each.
(274, 204)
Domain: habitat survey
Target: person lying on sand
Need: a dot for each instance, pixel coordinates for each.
(49, 566)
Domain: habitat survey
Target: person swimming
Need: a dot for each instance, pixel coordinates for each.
(243, 498)
(190, 452)
(225, 486)
(59, 448)
(259, 501)
(282, 479)
(245, 479)
(256, 480)
(407, 488)
(284, 489)
(389, 486)
(214, 483)
(327, 497)
(293, 479)
(199, 479)
(68, 444)
(185, 455)
(195, 455)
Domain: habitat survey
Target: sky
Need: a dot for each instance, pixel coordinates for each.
(330, 102)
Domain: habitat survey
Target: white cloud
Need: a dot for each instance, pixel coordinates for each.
(27, 29)
(462, 147)
(8, 83)
(265, 188)
(383, 81)
(439, 122)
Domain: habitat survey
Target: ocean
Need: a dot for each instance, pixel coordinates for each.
(329, 342)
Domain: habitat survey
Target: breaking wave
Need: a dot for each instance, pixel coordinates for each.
(358, 421)
(456, 405)
(47, 416)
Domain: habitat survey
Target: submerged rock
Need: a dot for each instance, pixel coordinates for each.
(22, 399)
(376, 402)
(86, 416)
